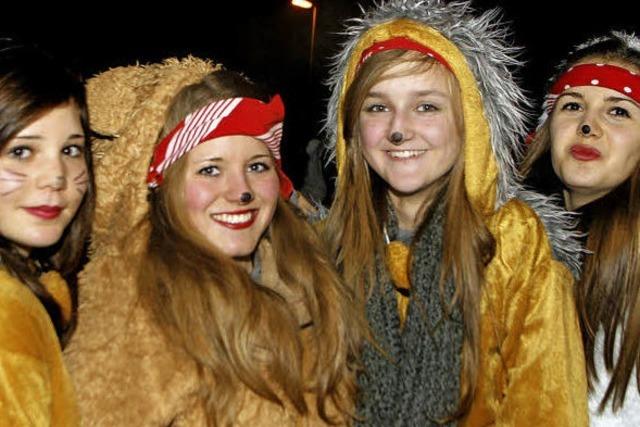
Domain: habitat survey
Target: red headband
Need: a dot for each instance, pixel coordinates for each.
(403, 43)
(599, 75)
(233, 116)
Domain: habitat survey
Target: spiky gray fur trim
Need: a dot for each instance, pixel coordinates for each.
(482, 40)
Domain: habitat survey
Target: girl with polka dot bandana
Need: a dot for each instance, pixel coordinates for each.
(587, 150)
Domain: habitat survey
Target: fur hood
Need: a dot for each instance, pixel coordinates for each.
(494, 107)
(130, 103)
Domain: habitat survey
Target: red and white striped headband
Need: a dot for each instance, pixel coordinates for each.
(598, 75)
(225, 117)
(402, 43)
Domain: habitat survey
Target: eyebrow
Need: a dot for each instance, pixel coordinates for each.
(219, 159)
(374, 94)
(574, 94)
(607, 99)
(620, 99)
(40, 137)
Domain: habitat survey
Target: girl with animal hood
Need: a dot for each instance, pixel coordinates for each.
(462, 281)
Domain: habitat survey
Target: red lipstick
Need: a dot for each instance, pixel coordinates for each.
(584, 152)
(225, 219)
(45, 212)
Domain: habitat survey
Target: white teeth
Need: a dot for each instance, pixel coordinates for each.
(405, 154)
(233, 219)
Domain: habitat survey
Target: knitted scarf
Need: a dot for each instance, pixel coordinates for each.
(417, 381)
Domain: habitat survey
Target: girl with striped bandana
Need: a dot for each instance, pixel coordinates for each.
(212, 303)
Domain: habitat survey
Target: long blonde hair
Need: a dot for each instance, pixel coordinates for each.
(237, 331)
(353, 228)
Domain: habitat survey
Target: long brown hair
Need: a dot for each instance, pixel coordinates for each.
(237, 331)
(607, 295)
(31, 85)
(353, 228)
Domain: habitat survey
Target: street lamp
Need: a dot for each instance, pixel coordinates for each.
(306, 4)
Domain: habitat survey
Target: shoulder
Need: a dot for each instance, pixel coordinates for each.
(25, 327)
(523, 250)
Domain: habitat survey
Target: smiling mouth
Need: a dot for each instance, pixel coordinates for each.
(236, 220)
(405, 154)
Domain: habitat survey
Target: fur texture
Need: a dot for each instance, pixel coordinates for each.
(483, 43)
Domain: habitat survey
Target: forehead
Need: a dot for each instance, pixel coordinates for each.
(227, 146)
(59, 118)
(417, 76)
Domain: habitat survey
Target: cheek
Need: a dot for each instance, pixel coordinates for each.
(371, 132)
(199, 195)
(79, 176)
(267, 188)
(10, 182)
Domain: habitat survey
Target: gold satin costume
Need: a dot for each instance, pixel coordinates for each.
(532, 368)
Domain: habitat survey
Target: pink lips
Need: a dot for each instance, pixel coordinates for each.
(584, 153)
(45, 212)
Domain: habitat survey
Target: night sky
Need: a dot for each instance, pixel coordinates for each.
(269, 40)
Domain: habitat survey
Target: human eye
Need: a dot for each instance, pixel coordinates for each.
(571, 106)
(210, 170)
(259, 167)
(73, 150)
(20, 152)
(426, 107)
(619, 112)
(375, 108)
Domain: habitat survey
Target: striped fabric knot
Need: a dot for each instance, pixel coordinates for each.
(225, 117)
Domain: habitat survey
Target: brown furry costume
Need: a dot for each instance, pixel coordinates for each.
(124, 370)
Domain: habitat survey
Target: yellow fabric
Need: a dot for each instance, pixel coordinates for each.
(532, 369)
(35, 389)
(397, 257)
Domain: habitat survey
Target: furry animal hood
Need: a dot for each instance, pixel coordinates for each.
(475, 48)
(130, 103)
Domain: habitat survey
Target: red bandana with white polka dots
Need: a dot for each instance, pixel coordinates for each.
(225, 117)
(402, 43)
(599, 75)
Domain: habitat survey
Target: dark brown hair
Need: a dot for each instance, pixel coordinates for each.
(607, 295)
(32, 84)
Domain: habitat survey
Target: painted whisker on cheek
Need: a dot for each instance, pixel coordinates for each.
(81, 178)
(10, 181)
(81, 181)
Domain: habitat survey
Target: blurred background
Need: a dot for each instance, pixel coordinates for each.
(271, 41)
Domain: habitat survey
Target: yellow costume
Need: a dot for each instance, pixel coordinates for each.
(35, 389)
(532, 369)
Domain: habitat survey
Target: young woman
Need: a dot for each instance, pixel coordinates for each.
(587, 151)
(219, 307)
(46, 203)
(472, 315)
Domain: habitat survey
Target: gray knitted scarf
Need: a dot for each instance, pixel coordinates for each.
(417, 382)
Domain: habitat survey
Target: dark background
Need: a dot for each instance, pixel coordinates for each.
(269, 40)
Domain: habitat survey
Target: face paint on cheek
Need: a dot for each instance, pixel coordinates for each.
(10, 181)
(81, 182)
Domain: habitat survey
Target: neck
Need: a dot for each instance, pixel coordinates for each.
(574, 200)
(409, 209)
